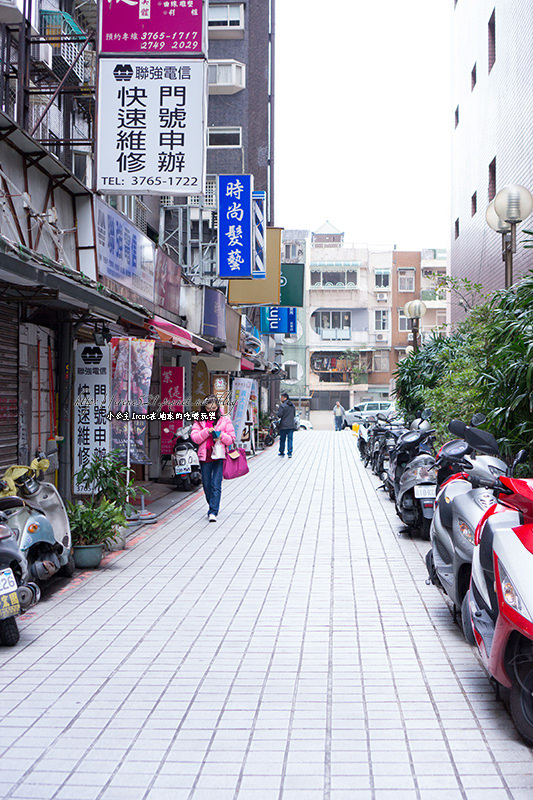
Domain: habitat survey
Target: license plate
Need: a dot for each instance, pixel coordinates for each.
(9, 601)
(183, 470)
(425, 491)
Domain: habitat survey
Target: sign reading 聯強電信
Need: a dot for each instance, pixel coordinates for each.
(151, 126)
(235, 241)
(278, 320)
(144, 27)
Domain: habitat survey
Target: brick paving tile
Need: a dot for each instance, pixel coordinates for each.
(290, 652)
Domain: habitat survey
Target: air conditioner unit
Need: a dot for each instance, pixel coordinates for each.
(41, 54)
(382, 296)
(409, 337)
(380, 337)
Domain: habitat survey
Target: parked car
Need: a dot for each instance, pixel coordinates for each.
(303, 424)
(364, 410)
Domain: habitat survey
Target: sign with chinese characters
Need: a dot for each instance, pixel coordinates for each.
(124, 254)
(235, 241)
(261, 293)
(220, 388)
(92, 380)
(131, 365)
(171, 27)
(172, 379)
(240, 397)
(151, 126)
(259, 223)
(278, 320)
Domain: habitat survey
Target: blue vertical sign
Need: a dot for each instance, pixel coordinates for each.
(235, 240)
(278, 320)
(259, 231)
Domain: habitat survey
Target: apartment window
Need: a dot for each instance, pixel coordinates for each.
(456, 228)
(333, 322)
(226, 20)
(291, 370)
(473, 77)
(226, 77)
(382, 277)
(492, 180)
(492, 40)
(473, 204)
(380, 361)
(381, 319)
(457, 116)
(404, 323)
(338, 279)
(406, 280)
(224, 137)
(291, 251)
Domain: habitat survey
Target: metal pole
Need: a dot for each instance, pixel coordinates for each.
(65, 409)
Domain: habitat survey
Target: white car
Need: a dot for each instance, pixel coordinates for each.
(365, 410)
(303, 424)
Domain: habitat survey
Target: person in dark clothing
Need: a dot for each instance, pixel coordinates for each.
(287, 426)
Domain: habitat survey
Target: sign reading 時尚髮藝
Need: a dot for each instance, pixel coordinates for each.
(151, 126)
(235, 242)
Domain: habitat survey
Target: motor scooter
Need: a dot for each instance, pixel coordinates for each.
(184, 460)
(17, 594)
(37, 516)
(500, 598)
(273, 431)
(459, 506)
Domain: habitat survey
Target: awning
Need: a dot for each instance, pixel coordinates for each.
(246, 364)
(169, 333)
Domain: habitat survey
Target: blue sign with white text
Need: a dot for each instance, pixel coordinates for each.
(235, 239)
(276, 319)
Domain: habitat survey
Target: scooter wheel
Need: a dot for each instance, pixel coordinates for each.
(9, 632)
(522, 703)
(466, 621)
(268, 441)
(425, 529)
(67, 570)
(186, 484)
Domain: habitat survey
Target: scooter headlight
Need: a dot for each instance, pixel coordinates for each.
(466, 530)
(424, 474)
(511, 595)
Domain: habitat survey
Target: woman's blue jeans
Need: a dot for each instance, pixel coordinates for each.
(212, 482)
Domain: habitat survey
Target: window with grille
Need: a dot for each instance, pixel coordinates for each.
(406, 280)
(381, 319)
(404, 323)
(380, 361)
(224, 137)
(382, 277)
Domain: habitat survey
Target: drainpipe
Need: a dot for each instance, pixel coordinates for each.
(66, 365)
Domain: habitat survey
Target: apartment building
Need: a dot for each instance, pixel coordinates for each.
(492, 95)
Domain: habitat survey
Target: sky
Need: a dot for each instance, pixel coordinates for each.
(363, 119)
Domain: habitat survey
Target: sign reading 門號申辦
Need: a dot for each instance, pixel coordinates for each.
(151, 126)
(235, 241)
(144, 27)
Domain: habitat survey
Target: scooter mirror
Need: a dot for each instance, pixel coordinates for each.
(482, 441)
(520, 457)
(381, 416)
(426, 413)
(478, 419)
(457, 427)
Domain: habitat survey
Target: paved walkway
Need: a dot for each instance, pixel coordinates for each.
(292, 651)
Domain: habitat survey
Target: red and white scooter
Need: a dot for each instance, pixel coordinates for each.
(500, 598)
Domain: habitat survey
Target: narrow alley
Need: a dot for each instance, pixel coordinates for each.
(290, 651)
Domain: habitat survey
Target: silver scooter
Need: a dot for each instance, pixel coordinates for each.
(17, 594)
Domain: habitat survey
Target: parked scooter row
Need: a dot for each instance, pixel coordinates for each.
(17, 594)
(482, 558)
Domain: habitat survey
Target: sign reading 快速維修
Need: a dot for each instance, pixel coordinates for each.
(235, 242)
(151, 126)
(173, 27)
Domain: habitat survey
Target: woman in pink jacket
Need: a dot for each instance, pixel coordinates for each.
(213, 434)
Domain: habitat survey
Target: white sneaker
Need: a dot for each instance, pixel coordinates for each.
(212, 517)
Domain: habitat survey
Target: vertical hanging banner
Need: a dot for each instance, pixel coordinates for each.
(92, 381)
(235, 241)
(170, 27)
(132, 361)
(259, 230)
(240, 397)
(150, 135)
(172, 379)
(278, 320)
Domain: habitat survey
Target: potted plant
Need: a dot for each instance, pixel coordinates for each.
(92, 525)
(108, 477)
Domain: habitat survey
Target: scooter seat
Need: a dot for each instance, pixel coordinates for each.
(10, 502)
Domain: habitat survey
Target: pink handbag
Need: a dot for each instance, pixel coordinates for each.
(235, 467)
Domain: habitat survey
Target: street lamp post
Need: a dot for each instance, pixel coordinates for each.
(511, 205)
(415, 310)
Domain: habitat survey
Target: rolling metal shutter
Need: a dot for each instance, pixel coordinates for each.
(9, 358)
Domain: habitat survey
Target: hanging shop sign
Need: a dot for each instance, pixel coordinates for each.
(292, 285)
(235, 241)
(132, 361)
(172, 381)
(240, 398)
(200, 384)
(171, 27)
(259, 229)
(214, 322)
(124, 254)
(92, 431)
(151, 126)
(278, 320)
(261, 293)
(220, 388)
(167, 282)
